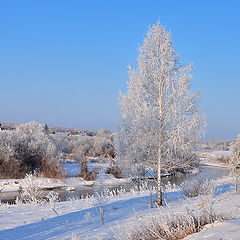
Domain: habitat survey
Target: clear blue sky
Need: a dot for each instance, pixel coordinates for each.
(64, 62)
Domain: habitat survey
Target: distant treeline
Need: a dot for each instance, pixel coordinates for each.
(32, 147)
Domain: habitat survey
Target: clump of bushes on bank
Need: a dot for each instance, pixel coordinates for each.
(28, 149)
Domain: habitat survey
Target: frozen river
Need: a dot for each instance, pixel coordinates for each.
(207, 172)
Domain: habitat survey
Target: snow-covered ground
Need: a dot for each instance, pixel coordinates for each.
(10, 185)
(227, 230)
(80, 219)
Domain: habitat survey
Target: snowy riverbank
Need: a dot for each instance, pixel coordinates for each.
(214, 164)
(216, 158)
(13, 185)
(80, 219)
(68, 183)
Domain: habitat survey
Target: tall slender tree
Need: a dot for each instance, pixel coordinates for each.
(160, 117)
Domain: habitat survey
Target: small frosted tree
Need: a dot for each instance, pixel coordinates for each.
(160, 117)
(235, 161)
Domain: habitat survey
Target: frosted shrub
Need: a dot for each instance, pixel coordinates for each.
(27, 149)
(4, 207)
(235, 169)
(193, 187)
(235, 162)
(30, 190)
(52, 197)
(171, 187)
(83, 164)
(100, 192)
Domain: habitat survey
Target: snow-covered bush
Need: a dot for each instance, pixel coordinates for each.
(30, 191)
(235, 146)
(235, 169)
(52, 198)
(100, 192)
(28, 149)
(235, 162)
(83, 164)
(193, 187)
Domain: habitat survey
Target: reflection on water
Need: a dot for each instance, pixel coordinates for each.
(206, 172)
(81, 192)
(213, 172)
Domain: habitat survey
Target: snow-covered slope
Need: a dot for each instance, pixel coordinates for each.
(227, 230)
(80, 219)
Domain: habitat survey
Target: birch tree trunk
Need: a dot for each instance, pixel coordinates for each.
(159, 189)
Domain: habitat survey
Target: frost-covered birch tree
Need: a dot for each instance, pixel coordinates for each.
(160, 117)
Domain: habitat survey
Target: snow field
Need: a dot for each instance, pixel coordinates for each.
(123, 212)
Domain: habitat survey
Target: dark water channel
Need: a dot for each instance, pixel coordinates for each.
(207, 172)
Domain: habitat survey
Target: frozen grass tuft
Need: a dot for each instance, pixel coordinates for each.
(169, 225)
(108, 195)
(171, 187)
